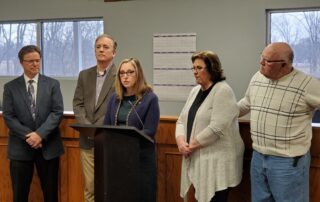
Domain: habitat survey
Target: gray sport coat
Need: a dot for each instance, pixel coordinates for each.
(84, 107)
(18, 118)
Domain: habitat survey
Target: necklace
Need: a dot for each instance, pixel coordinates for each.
(127, 118)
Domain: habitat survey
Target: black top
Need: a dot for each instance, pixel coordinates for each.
(194, 108)
(125, 108)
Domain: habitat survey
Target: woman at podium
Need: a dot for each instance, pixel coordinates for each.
(135, 104)
(207, 133)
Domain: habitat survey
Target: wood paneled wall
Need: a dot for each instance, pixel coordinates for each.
(71, 179)
(168, 165)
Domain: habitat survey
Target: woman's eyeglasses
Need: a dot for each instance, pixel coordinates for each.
(197, 69)
(127, 73)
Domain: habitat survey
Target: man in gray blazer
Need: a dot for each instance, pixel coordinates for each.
(32, 110)
(94, 89)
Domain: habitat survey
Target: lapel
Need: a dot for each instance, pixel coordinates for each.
(22, 90)
(90, 82)
(107, 86)
(41, 87)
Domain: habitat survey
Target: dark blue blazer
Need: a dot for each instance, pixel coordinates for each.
(18, 118)
(147, 109)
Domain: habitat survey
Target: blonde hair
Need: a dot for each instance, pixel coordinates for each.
(140, 87)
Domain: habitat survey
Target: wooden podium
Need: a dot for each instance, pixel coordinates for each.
(116, 161)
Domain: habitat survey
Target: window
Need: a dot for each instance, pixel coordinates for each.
(301, 29)
(67, 45)
(12, 38)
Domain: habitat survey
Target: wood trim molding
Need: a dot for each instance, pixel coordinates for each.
(168, 165)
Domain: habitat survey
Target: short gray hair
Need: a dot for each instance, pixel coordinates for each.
(115, 44)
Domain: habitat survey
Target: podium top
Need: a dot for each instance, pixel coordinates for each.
(91, 129)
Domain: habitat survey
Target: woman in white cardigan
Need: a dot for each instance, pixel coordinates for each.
(207, 133)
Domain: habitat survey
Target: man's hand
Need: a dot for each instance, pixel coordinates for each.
(34, 140)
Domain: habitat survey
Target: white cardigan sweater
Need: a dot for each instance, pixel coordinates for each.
(217, 165)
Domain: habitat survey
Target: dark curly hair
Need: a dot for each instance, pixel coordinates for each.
(213, 64)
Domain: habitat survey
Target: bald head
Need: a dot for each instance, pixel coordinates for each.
(276, 60)
(281, 49)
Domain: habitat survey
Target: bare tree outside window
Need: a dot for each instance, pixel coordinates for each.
(301, 29)
(67, 45)
(12, 38)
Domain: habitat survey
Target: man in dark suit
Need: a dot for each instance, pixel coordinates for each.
(32, 110)
(94, 89)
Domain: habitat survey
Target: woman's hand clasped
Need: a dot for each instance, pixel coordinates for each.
(185, 148)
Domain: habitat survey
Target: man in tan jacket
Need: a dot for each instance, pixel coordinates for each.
(94, 88)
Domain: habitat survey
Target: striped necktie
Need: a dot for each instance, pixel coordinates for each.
(31, 97)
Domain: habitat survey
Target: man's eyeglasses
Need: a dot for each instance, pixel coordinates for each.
(37, 61)
(128, 73)
(269, 62)
(197, 69)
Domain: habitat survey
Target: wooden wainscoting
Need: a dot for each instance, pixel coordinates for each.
(168, 165)
(70, 181)
(168, 162)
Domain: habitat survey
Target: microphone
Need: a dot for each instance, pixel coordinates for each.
(134, 109)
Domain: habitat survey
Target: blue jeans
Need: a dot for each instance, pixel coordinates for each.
(276, 179)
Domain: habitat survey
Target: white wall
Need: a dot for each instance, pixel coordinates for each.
(235, 29)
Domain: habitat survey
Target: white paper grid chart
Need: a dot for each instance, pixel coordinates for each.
(172, 77)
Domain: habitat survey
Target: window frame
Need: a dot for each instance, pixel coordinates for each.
(269, 12)
(283, 10)
(39, 37)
